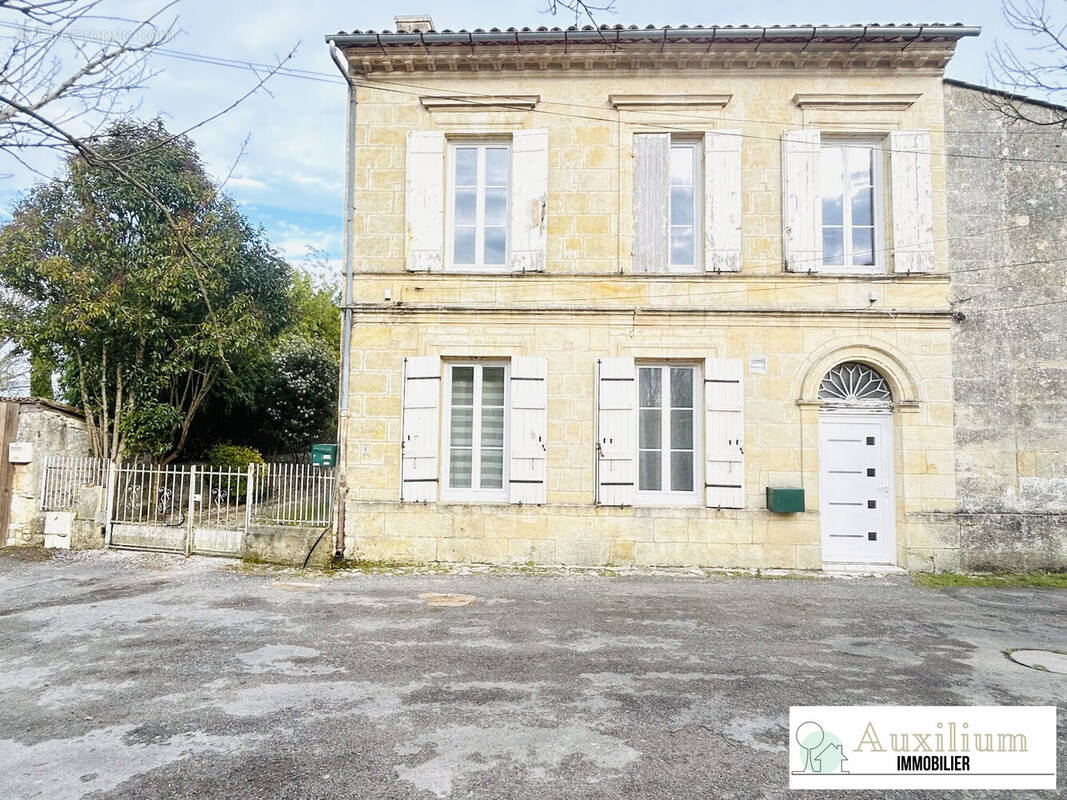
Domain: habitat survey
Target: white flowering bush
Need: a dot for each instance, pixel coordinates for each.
(300, 399)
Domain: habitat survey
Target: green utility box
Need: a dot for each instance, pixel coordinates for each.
(785, 501)
(323, 455)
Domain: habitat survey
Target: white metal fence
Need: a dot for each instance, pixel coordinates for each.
(62, 478)
(292, 494)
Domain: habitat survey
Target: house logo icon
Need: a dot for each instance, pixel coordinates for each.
(822, 752)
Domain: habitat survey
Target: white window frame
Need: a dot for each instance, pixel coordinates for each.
(697, 147)
(878, 144)
(450, 207)
(665, 496)
(491, 495)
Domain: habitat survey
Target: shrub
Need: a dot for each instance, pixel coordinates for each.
(233, 455)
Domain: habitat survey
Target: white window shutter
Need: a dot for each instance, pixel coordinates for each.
(722, 201)
(616, 425)
(652, 153)
(422, 394)
(801, 201)
(529, 200)
(724, 431)
(529, 429)
(913, 210)
(424, 200)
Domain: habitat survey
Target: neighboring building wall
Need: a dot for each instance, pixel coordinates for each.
(589, 303)
(1008, 229)
(50, 430)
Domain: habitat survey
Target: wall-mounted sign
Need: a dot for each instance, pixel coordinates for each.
(757, 365)
(20, 452)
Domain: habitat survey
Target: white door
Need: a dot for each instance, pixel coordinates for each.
(856, 487)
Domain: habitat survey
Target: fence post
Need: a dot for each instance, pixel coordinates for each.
(193, 492)
(109, 501)
(249, 494)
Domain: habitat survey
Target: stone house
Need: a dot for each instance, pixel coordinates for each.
(607, 288)
(1007, 206)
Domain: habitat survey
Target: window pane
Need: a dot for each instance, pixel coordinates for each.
(466, 166)
(462, 386)
(492, 469)
(681, 205)
(681, 472)
(681, 387)
(682, 246)
(496, 246)
(496, 166)
(831, 188)
(459, 469)
(833, 246)
(651, 378)
(681, 430)
(863, 206)
(462, 427)
(863, 246)
(466, 206)
(493, 386)
(859, 165)
(496, 207)
(649, 477)
(492, 427)
(464, 246)
(682, 165)
(650, 435)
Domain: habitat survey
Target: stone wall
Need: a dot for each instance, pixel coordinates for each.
(1007, 205)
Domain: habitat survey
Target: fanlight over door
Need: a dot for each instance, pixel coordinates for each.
(855, 384)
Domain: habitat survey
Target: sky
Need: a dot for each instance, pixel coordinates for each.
(289, 177)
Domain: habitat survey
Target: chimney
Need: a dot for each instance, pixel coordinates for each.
(413, 22)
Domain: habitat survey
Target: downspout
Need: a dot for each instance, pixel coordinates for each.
(346, 318)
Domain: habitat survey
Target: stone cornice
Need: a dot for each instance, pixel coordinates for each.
(882, 101)
(481, 102)
(627, 102)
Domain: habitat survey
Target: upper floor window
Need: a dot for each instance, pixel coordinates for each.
(850, 188)
(684, 203)
(478, 204)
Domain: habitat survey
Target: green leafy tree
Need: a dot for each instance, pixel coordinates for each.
(144, 288)
(300, 398)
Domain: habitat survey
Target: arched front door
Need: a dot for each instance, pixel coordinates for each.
(856, 497)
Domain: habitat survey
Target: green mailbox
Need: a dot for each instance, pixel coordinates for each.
(785, 501)
(323, 455)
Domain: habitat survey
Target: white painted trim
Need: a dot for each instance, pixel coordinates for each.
(450, 207)
(463, 495)
(666, 497)
(877, 143)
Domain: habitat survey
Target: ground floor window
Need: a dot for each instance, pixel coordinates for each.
(667, 435)
(475, 428)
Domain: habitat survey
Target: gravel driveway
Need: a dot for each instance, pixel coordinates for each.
(143, 676)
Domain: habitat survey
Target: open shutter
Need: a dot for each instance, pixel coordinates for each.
(722, 201)
(913, 210)
(616, 449)
(529, 200)
(724, 431)
(801, 201)
(529, 429)
(422, 393)
(424, 200)
(652, 152)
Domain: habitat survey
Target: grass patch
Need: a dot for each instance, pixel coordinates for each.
(1012, 580)
(27, 553)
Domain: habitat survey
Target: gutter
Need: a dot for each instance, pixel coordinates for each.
(346, 321)
(616, 36)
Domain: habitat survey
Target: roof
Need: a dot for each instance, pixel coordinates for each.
(693, 34)
(45, 402)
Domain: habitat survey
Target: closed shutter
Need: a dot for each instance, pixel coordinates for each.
(801, 201)
(652, 152)
(529, 429)
(616, 449)
(912, 192)
(529, 200)
(724, 431)
(424, 200)
(722, 201)
(422, 394)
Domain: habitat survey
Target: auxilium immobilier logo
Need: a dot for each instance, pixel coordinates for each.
(922, 747)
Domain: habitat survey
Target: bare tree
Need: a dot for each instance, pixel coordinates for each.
(581, 10)
(1041, 71)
